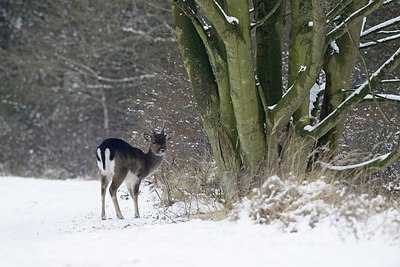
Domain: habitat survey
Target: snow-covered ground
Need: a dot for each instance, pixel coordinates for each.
(57, 223)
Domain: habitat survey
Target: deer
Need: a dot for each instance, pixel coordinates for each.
(119, 162)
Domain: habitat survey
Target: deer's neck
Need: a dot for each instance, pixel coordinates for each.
(153, 160)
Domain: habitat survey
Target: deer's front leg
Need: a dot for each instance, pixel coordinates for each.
(135, 199)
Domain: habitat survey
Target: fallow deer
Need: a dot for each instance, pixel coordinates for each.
(120, 162)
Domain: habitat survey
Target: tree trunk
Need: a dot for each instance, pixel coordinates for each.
(341, 56)
(269, 48)
(306, 49)
(206, 92)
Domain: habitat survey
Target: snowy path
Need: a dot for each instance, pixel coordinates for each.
(41, 227)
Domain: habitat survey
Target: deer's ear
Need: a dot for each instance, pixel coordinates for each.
(148, 137)
(169, 135)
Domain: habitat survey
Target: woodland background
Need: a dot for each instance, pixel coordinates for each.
(75, 72)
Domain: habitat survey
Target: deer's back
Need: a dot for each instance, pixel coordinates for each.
(122, 156)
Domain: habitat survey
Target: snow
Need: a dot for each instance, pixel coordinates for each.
(354, 14)
(348, 167)
(302, 68)
(314, 92)
(230, 19)
(308, 128)
(360, 90)
(383, 96)
(132, 30)
(335, 48)
(380, 26)
(57, 223)
(386, 39)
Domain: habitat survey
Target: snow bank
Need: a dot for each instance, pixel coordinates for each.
(297, 206)
(57, 223)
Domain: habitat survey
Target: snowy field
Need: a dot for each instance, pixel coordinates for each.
(57, 223)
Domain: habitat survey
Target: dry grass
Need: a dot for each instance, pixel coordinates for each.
(361, 207)
(352, 204)
(192, 184)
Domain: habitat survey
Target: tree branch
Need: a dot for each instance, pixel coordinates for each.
(354, 18)
(372, 165)
(381, 26)
(379, 41)
(212, 51)
(264, 19)
(223, 23)
(306, 76)
(381, 98)
(337, 10)
(396, 80)
(157, 6)
(95, 75)
(351, 101)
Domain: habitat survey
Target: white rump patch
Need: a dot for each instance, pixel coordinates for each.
(109, 166)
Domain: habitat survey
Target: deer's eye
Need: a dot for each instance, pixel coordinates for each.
(154, 142)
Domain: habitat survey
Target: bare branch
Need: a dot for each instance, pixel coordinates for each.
(379, 41)
(370, 165)
(391, 81)
(222, 22)
(337, 10)
(306, 76)
(351, 101)
(386, 2)
(158, 6)
(94, 74)
(264, 19)
(381, 26)
(354, 18)
(381, 98)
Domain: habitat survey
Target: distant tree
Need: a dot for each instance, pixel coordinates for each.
(68, 72)
(253, 111)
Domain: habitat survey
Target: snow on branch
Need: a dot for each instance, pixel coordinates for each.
(222, 22)
(388, 2)
(86, 69)
(379, 41)
(368, 166)
(354, 18)
(380, 26)
(354, 166)
(229, 19)
(315, 91)
(381, 97)
(337, 10)
(320, 129)
(396, 80)
(202, 29)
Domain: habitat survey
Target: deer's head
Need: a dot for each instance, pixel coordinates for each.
(158, 141)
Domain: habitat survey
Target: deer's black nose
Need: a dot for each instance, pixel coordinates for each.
(162, 150)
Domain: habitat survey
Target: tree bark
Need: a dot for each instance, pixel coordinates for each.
(269, 48)
(338, 70)
(206, 92)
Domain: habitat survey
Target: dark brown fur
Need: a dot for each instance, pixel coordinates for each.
(128, 164)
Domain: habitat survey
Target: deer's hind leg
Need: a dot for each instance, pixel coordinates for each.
(132, 182)
(104, 184)
(134, 192)
(115, 184)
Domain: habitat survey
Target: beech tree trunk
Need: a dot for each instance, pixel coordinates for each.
(237, 79)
